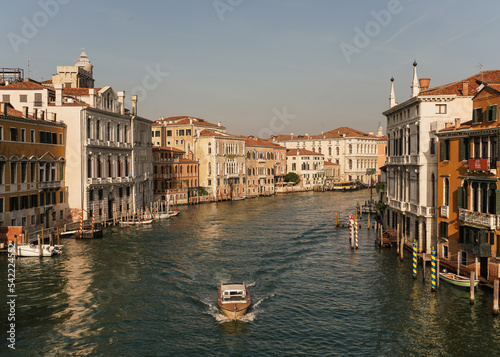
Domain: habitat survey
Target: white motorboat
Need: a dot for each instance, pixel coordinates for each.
(32, 250)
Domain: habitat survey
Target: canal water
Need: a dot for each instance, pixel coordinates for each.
(151, 291)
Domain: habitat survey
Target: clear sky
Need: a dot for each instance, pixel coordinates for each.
(314, 65)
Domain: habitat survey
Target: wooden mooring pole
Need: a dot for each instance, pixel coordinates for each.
(495, 297)
(472, 274)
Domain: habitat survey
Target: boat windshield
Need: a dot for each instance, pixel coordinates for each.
(233, 298)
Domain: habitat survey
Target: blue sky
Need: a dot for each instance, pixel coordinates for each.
(243, 62)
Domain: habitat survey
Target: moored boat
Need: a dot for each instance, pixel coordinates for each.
(32, 250)
(134, 223)
(457, 280)
(233, 299)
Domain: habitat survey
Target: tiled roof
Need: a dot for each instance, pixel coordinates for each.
(26, 84)
(14, 112)
(74, 103)
(255, 141)
(331, 163)
(186, 120)
(78, 91)
(335, 133)
(301, 152)
(464, 125)
(208, 133)
(168, 148)
(48, 81)
(474, 81)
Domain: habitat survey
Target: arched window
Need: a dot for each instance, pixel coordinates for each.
(209, 148)
(350, 148)
(209, 169)
(350, 164)
(330, 151)
(338, 150)
(492, 198)
(446, 198)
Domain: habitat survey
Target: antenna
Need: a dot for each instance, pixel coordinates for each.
(28, 60)
(481, 71)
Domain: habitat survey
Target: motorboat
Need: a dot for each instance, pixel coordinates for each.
(135, 223)
(33, 250)
(457, 280)
(233, 299)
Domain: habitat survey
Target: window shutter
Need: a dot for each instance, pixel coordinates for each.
(497, 194)
(493, 112)
(474, 116)
(462, 149)
(460, 197)
(443, 150)
(480, 115)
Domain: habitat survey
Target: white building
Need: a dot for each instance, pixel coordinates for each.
(412, 153)
(308, 165)
(354, 150)
(108, 150)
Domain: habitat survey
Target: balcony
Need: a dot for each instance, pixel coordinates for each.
(479, 250)
(486, 220)
(261, 160)
(50, 184)
(444, 211)
(482, 165)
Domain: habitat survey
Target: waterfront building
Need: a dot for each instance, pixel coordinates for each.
(222, 172)
(412, 155)
(175, 178)
(33, 191)
(180, 132)
(109, 166)
(308, 165)
(354, 150)
(279, 165)
(468, 195)
(260, 164)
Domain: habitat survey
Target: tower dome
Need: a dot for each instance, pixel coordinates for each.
(84, 62)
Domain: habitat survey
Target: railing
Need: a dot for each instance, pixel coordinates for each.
(482, 219)
(50, 184)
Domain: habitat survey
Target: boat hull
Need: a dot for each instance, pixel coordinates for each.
(33, 251)
(234, 314)
(135, 223)
(457, 280)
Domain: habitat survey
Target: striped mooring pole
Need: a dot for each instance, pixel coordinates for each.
(433, 269)
(93, 219)
(350, 228)
(81, 224)
(415, 260)
(356, 232)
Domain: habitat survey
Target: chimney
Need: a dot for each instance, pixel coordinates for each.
(54, 116)
(447, 125)
(218, 124)
(291, 136)
(42, 114)
(457, 123)
(25, 112)
(465, 88)
(58, 87)
(92, 97)
(35, 113)
(424, 83)
(121, 101)
(3, 108)
(190, 121)
(190, 155)
(134, 105)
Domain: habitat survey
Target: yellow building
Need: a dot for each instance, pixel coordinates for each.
(33, 193)
(222, 164)
(260, 161)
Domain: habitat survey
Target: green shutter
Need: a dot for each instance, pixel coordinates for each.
(442, 150)
(497, 195)
(474, 116)
(441, 229)
(480, 115)
(494, 112)
(462, 149)
(460, 197)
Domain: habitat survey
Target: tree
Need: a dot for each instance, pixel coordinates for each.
(292, 177)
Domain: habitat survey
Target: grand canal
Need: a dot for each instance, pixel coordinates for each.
(152, 291)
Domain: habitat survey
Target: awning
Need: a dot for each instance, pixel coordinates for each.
(476, 226)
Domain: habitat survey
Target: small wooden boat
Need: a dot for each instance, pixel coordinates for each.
(32, 250)
(238, 198)
(133, 223)
(457, 280)
(233, 299)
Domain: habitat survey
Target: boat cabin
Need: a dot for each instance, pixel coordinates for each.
(233, 293)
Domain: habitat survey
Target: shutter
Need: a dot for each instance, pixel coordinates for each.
(462, 149)
(494, 112)
(474, 116)
(497, 194)
(480, 115)
(442, 150)
(482, 236)
(460, 197)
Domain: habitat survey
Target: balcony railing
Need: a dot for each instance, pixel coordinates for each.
(486, 220)
(50, 184)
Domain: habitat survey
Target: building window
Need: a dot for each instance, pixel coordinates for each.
(32, 136)
(491, 113)
(443, 229)
(463, 260)
(23, 135)
(13, 134)
(445, 150)
(440, 108)
(23, 98)
(13, 172)
(445, 251)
